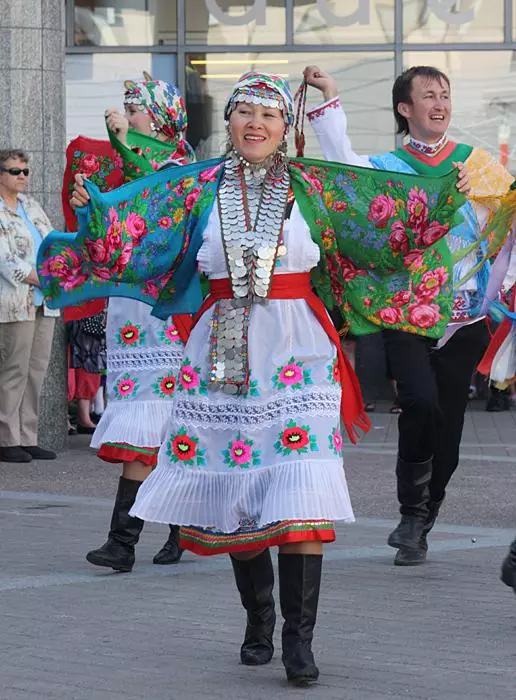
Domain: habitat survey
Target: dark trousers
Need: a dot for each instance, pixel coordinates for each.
(433, 387)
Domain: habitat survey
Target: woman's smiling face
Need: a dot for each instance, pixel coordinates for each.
(256, 131)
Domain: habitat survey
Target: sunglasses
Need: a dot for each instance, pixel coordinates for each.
(16, 171)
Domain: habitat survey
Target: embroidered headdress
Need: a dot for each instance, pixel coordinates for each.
(165, 106)
(265, 89)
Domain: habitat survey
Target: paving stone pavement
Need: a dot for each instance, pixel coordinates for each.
(446, 631)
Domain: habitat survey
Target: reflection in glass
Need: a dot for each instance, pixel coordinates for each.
(431, 21)
(364, 80)
(125, 22)
(95, 82)
(203, 27)
(483, 96)
(373, 22)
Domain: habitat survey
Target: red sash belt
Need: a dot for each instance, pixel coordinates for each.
(297, 286)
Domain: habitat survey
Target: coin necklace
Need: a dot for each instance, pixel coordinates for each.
(246, 195)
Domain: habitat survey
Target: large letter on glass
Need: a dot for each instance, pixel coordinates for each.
(257, 13)
(360, 16)
(448, 11)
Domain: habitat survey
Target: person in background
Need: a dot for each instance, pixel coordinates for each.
(87, 361)
(26, 325)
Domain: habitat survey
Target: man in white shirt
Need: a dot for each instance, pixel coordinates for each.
(432, 379)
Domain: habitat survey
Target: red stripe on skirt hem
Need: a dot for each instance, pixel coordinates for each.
(117, 455)
(323, 536)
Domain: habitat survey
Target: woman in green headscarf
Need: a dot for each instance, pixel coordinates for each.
(144, 353)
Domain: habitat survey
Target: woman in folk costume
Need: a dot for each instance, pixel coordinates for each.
(253, 456)
(144, 353)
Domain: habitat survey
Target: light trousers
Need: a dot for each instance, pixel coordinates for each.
(24, 356)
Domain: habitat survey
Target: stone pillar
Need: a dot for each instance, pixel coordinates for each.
(32, 117)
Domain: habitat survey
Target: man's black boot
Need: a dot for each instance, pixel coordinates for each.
(255, 580)
(300, 580)
(413, 479)
(415, 557)
(118, 552)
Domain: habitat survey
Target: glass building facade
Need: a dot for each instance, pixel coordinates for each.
(205, 45)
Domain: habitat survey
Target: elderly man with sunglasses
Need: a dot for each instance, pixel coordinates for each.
(26, 325)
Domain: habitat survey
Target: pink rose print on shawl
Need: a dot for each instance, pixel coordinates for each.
(401, 298)
(348, 270)
(103, 273)
(97, 251)
(432, 233)
(417, 207)
(209, 175)
(114, 232)
(136, 227)
(423, 315)
(123, 260)
(398, 239)
(151, 289)
(381, 209)
(191, 198)
(389, 315)
(414, 260)
(431, 284)
(316, 184)
(66, 267)
(88, 165)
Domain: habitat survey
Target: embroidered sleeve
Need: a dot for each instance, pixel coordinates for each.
(330, 125)
(135, 241)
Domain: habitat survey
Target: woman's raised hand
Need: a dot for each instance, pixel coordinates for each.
(80, 196)
(117, 123)
(317, 78)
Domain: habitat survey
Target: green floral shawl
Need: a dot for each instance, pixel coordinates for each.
(384, 261)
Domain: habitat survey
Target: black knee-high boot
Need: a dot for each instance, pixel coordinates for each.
(413, 479)
(509, 567)
(118, 552)
(300, 579)
(255, 581)
(171, 552)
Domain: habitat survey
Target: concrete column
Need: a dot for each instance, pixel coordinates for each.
(32, 117)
